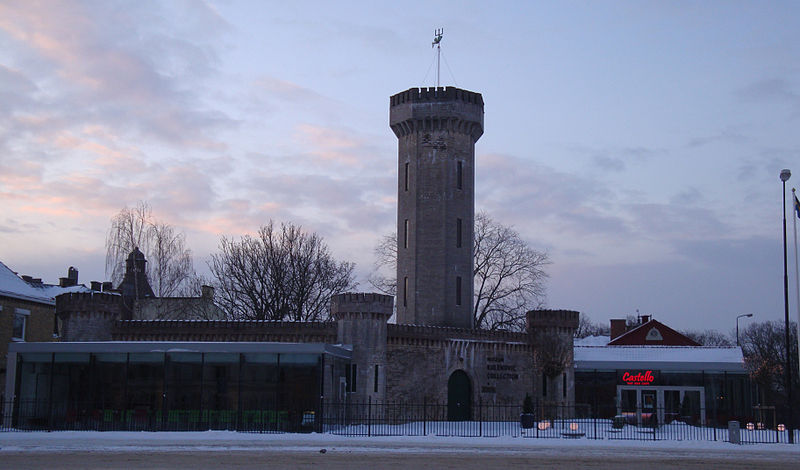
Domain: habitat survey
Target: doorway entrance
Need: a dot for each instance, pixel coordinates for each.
(459, 397)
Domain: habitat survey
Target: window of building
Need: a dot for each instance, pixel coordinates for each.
(564, 385)
(406, 177)
(460, 175)
(458, 233)
(405, 233)
(20, 324)
(375, 385)
(405, 292)
(544, 385)
(351, 378)
(458, 290)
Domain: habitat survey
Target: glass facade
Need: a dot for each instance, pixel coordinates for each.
(181, 390)
(703, 396)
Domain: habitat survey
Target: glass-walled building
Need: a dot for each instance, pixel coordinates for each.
(173, 385)
(661, 384)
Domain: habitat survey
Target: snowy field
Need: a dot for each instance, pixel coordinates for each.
(223, 449)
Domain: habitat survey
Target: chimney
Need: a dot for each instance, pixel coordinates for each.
(72, 274)
(70, 280)
(618, 328)
(107, 286)
(96, 286)
(645, 318)
(207, 292)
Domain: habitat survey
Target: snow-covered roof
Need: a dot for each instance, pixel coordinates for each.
(665, 358)
(592, 341)
(13, 286)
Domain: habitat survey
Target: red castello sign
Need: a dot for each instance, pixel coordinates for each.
(638, 377)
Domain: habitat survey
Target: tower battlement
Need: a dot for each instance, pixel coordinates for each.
(437, 94)
(361, 303)
(437, 109)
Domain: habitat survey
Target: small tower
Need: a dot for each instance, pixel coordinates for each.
(436, 130)
(88, 316)
(361, 321)
(551, 332)
(134, 285)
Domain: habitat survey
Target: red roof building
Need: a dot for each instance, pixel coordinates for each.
(649, 333)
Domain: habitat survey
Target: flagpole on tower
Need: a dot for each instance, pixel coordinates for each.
(437, 41)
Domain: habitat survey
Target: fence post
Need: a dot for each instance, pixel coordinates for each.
(480, 417)
(369, 416)
(425, 416)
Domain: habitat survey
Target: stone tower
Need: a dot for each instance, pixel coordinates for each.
(361, 322)
(436, 130)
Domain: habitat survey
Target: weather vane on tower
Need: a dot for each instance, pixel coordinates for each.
(437, 40)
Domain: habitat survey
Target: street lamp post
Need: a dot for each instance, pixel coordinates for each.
(748, 315)
(785, 175)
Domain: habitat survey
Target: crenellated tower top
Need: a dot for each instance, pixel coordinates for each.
(437, 108)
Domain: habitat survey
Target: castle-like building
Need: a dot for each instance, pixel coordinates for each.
(432, 353)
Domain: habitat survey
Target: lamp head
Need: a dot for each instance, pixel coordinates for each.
(749, 315)
(785, 174)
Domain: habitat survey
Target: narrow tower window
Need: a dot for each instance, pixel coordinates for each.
(458, 290)
(563, 385)
(405, 234)
(375, 385)
(544, 385)
(458, 233)
(405, 292)
(406, 177)
(459, 175)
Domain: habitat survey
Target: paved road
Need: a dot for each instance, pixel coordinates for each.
(112, 451)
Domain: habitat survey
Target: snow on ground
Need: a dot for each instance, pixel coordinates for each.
(227, 441)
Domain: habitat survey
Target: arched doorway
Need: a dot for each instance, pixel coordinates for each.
(459, 397)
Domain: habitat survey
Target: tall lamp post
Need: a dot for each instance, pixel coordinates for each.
(785, 175)
(748, 315)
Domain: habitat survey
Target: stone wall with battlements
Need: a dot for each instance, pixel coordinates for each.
(422, 359)
(88, 316)
(223, 330)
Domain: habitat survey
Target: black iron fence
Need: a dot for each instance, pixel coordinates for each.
(404, 419)
(544, 421)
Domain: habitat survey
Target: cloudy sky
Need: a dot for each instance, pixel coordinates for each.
(638, 143)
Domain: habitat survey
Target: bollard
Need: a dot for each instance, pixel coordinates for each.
(734, 436)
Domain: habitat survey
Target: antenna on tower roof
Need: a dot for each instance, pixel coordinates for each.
(437, 41)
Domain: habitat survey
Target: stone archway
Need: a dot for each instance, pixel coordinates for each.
(459, 397)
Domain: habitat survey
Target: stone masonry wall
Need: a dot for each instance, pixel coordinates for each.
(88, 316)
(422, 359)
(223, 330)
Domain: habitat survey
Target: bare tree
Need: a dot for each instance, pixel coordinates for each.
(280, 274)
(170, 270)
(708, 337)
(509, 274)
(586, 328)
(384, 274)
(764, 349)
(552, 352)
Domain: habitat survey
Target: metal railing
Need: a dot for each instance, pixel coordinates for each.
(402, 419)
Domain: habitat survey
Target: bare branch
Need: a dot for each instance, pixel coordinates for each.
(282, 274)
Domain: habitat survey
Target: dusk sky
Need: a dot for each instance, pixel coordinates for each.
(638, 143)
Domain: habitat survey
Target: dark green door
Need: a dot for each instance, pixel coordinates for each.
(459, 397)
